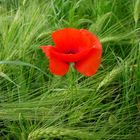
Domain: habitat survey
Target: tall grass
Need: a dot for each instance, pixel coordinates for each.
(34, 104)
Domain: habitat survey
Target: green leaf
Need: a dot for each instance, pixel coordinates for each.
(7, 78)
(136, 10)
(112, 120)
(22, 64)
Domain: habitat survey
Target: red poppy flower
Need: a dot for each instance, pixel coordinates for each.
(80, 47)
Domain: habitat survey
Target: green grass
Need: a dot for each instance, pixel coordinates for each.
(35, 105)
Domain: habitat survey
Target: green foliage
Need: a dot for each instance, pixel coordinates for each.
(34, 104)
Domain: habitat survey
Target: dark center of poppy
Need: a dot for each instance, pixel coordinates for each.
(71, 51)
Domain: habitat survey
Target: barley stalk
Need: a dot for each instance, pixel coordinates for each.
(54, 132)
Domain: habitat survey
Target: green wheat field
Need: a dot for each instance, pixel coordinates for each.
(37, 105)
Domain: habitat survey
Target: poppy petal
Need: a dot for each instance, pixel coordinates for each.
(90, 64)
(70, 40)
(58, 67)
(94, 41)
(47, 50)
(70, 57)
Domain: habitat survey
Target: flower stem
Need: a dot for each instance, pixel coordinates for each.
(72, 78)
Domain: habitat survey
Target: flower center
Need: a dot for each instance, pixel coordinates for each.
(70, 51)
